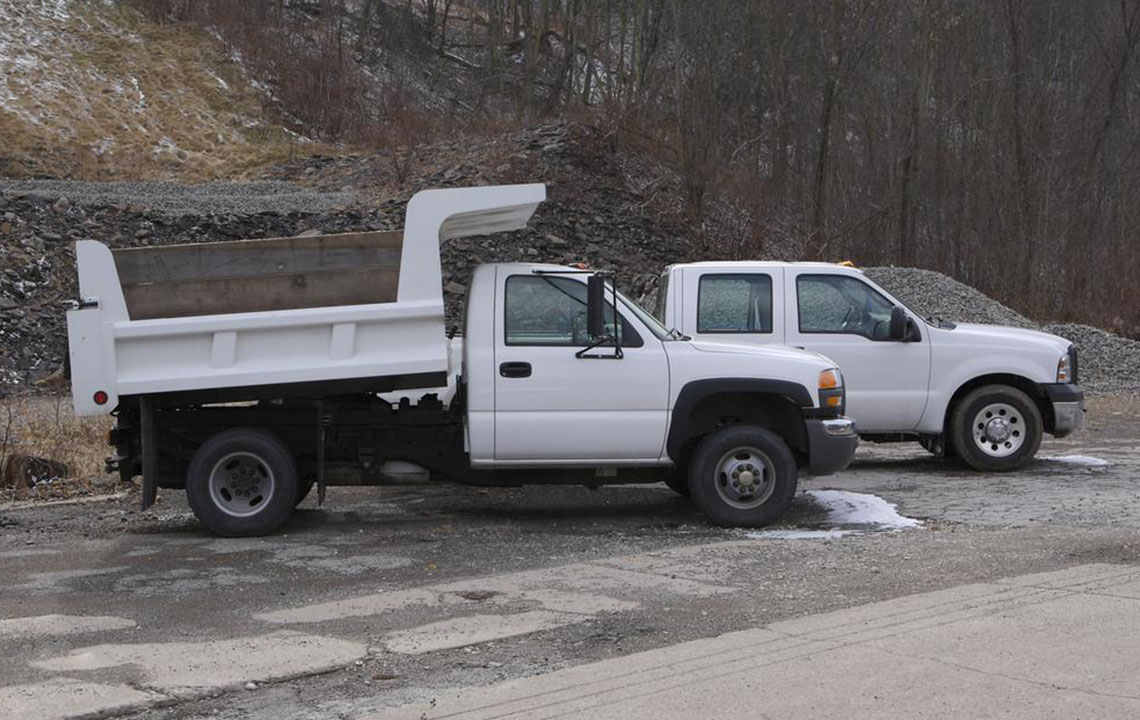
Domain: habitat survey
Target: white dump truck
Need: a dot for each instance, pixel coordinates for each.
(247, 372)
(984, 392)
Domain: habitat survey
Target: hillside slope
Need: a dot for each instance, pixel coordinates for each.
(91, 90)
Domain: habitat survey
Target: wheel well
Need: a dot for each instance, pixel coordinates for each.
(1027, 386)
(768, 410)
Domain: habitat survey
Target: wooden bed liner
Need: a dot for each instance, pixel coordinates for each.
(259, 275)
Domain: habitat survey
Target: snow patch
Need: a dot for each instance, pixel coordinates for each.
(848, 508)
(1084, 460)
(799, 534)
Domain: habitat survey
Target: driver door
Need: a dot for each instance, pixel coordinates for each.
(843, 317)
(552, 406)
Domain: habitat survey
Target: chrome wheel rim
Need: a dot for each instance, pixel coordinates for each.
(999, 430)
(745, 478)
(241, 484)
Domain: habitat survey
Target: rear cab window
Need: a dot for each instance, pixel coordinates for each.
(734, 303)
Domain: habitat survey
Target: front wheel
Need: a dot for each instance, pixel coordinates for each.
(242, 482)
(743, 476)
(996, 428)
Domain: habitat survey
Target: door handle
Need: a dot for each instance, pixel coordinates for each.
(515, 369)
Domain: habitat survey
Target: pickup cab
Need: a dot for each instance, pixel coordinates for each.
(982, 392)
(248, 372)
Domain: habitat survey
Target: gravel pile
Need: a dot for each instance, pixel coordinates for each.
(174, 199)
(1106, 362)
(932, 294)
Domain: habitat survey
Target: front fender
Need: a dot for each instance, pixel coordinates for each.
(949, 379)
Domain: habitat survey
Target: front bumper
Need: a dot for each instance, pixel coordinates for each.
(1068, 403)
(831, 444)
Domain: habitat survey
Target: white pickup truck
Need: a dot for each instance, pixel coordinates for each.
(248, 371)
(984, 392)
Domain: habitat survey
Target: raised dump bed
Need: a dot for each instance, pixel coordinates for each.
(247, 319)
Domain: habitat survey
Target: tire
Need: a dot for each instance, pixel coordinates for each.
(678, 482)
(304, 487)
(743, 449)
(227, 488)
(996, 428)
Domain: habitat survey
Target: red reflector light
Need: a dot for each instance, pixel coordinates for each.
(100, 397)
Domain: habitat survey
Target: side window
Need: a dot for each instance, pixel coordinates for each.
(841, 304)
(735, 304)
(545, 310)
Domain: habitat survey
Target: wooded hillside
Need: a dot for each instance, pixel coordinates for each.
(995, 140)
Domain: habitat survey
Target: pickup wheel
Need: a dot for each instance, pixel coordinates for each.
(743, 476)
(996, 428)
(242, 482)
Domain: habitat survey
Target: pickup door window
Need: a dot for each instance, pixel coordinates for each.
(842, 304)
(552, 406)
(843, 317)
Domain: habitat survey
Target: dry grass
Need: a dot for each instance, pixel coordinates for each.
(101, 93)
(46, 427)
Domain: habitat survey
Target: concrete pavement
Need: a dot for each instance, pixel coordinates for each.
(1062, 644)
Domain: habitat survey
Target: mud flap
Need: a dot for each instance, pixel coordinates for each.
(149, 436)
(322, 423)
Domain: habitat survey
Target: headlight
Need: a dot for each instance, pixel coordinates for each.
(831, 395)
(1065, 369)
(830, 378)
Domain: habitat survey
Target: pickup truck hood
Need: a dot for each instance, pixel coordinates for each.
(771, 352)
(1006, 337)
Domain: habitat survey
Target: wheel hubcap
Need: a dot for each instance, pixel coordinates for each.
(745, 478)
(999, 429)
(241, 484)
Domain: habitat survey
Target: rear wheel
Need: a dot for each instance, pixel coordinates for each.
(996, 428)
(242, 482)
(743, 476)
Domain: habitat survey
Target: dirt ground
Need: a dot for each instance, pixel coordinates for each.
(388, 596)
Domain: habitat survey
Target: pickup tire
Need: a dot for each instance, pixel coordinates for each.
(996, 428)
(743, 476)
(242, 482)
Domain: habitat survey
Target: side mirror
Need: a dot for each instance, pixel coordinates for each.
(596, 306)
(897, 331)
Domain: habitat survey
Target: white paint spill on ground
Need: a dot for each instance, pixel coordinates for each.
(475, 629)
(861, 509)
(62, 697)
(578, 585)
(25, 627)
(189, 669)
(1084, 460)
(57, 582)
(507, 605)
